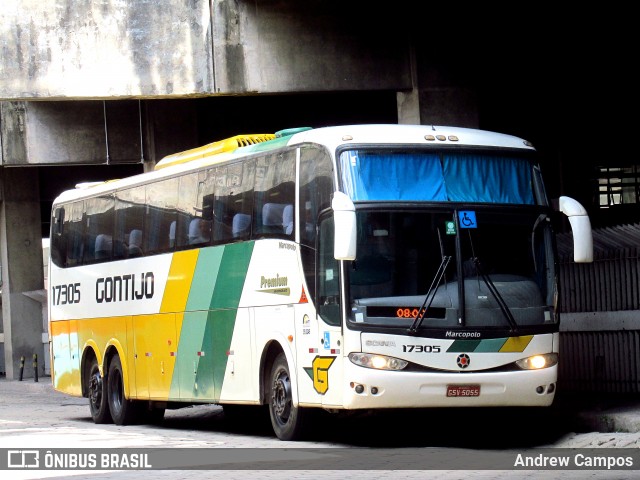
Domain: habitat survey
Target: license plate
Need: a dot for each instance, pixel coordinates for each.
(463, 390)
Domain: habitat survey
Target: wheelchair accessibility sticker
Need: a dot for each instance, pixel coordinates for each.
(467, 219)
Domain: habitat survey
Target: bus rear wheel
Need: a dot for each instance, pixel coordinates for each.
(287, 420)
(123, 411)
(97, 393)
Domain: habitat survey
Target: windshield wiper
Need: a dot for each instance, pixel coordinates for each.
(496, 294)
(431, 293)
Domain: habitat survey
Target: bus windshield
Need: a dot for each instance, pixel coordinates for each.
(446, 176)
(420, 263)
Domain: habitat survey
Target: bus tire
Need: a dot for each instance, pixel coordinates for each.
(287, 420)
(97, 393)
(123, 411)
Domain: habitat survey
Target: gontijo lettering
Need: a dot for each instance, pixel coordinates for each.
(123, 288)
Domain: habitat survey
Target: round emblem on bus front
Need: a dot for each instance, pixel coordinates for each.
(463, 360)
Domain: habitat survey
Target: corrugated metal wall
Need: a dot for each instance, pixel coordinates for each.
(605, 361)
(610, 283)
(600, 347)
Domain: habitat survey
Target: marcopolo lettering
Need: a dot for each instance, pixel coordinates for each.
(122, 288)
(451, 334)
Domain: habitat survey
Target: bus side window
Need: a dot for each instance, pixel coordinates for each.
(99, 228)
(129, 223)
(316, 188)
(233, 202)
(161, 200)
(58, 244)
(73, 235)
(328, 300)
(274, 190)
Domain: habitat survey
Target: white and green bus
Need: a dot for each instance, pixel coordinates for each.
(339, 268)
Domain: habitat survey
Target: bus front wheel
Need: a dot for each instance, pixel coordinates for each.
(123, 411)
(97, 393)
(287, 420)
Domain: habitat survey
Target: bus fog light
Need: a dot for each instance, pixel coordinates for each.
(537, 362)
(379, 362)
(359, 389)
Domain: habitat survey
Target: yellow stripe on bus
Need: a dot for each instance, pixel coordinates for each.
(183, 265)
(516, 344)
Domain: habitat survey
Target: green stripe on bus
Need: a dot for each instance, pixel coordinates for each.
(185, 383)
(224, 305)
(208, 323)
(205, 277)
(491, 345)
(463, 346)
(232, 274)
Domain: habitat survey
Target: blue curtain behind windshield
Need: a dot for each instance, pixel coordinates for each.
(479, 178)
(393, 177)
(424, 177)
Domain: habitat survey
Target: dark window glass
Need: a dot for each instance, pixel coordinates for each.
(232, 204)
(316, 188)
(161, 200)
(129, 232)
(99, 229)
(328, 301)
(274, 195)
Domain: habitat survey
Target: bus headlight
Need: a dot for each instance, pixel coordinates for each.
(537, 362)
(380, 362)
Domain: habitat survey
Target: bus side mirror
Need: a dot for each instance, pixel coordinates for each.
(344, 219)
(581, 227)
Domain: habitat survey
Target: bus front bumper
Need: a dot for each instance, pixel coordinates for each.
(370, 388)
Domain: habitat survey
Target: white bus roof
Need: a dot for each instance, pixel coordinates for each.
(332, 137)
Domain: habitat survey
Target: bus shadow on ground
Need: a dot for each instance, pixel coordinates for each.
(477, 428)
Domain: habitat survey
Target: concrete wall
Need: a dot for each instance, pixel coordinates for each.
(62, 49)
(93, 132)
(292, 46)
(104, 48)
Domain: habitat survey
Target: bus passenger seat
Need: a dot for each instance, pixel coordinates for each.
(199, 231)
(272, 214)
(172, 234)
(287, 219)
(240, 225)
(103, 246)
(135, 243)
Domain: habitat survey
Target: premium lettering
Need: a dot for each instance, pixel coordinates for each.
(273, 282)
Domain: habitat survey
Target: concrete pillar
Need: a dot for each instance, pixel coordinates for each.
(22, 274)
(409, 101)
(408, 107)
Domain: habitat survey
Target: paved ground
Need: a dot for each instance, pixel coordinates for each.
(34, 416)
